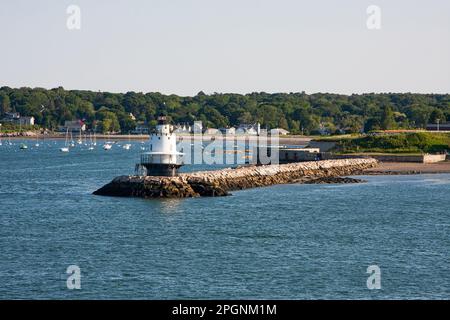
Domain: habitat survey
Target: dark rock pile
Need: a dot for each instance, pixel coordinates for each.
(334, 180)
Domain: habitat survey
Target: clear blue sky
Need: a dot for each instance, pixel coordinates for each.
(184, 46)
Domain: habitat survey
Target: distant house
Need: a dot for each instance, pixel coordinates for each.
(141, 129)
(229, 131)
(211, 131)
(11, 117)
(250, 129)
(15, 118)
(73, 126)
(26, 121)
(183, 128)
(279, 131)
(440, 127)
(323, 130)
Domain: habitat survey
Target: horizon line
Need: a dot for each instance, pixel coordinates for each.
(225, 93)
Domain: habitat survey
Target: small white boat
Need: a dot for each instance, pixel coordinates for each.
(107, 146)
(127, 146)
(91, 148)
(37, 141)
(23, 146)
(80, 139)
(66, 143)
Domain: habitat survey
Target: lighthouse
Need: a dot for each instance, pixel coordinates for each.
(162, 159)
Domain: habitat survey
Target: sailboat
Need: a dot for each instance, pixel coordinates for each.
(95, 139)
(91, 143)
(23, 146)
(80, 139)
(72, 143)
(85, 140)
(66, 148)
(107, 145)
(127, 146)
(37, 141)
(142, 145)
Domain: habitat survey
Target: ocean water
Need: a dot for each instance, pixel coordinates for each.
(280, 242)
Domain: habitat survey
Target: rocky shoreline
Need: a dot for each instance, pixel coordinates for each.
(221, 182)
(334, 180)
(23, 134)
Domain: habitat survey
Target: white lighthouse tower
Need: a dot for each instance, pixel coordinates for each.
(162, 160)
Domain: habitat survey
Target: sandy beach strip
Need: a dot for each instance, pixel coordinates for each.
(405, 168)
(283, 140)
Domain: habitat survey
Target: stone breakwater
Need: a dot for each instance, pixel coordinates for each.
(221, 182)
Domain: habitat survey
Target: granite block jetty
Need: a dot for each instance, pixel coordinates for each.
(221, 182)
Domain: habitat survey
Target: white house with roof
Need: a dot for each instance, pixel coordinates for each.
(26, 121)
(141, 128)
(211, 131)
(73, 126)
(16, 118)
(279, 131)
(249, 129)
(229, 131)
(183, 128)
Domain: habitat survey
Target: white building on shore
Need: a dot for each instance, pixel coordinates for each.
(17, 119)
(73, 126)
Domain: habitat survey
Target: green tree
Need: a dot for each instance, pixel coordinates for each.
(5, 104)
(372, 124)
(85, 110)
(294, 126)
(126, 123)
(387, 120)
(437, 115)
(245, 117)
(282, 123)
(419, 115)
(108, 121)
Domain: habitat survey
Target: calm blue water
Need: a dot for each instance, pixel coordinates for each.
(280, 242)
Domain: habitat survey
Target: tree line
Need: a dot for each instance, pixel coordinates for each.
(300, 113)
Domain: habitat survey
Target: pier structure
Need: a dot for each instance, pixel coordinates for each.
(163, 159)
(221, 182)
